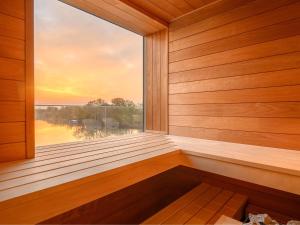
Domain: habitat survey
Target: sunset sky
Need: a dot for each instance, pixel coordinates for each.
(79, 57)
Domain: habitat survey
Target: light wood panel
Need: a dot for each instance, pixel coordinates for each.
(14, 77)
(121, 13)
(234, 73)
(156, 63)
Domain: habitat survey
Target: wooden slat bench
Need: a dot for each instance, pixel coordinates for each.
(205, 204)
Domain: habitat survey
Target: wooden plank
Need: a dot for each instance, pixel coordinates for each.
(184, 215)
(42, 166)
(12, 90)
(286, 141)
(156, 80)
(267, 64)
(274, 109)
(205, 12)
(178, 205)
(197, 4)
(272, 125)
(12, 111)
(272, 94)
(270, 79)
(269, 33)
(206, 213)
(272, 17)
(14, 8)
(12, 132)
(234, 208)
(224, 220)
(11, 27)
(164, 82)
(183, 6)
(29, 73)
(283, 46)
(248, 9)
(149, 81)
(12, 69)
(12, 151)
(12, 48)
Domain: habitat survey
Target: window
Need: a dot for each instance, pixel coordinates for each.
(88, 76)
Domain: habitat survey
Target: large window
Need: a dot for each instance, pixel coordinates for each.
(88, 76)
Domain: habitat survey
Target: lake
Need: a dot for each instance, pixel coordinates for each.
(47, 134)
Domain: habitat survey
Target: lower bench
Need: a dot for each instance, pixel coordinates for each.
(205, 204)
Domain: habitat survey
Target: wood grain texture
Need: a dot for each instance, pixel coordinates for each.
(121, 13)
(234, 73)
(12, 79)
(156, 58)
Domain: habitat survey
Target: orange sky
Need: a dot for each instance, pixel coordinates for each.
(79, 57)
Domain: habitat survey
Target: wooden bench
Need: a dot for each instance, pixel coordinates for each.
(205, 204)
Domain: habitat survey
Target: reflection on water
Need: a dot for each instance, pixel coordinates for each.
(46, 133)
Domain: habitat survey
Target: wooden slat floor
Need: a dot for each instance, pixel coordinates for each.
(205, 204)
(62, 163)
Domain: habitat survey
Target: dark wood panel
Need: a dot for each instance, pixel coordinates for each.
(270, 79)
(11, 26)
(273, 94)
(13, 8)
(12, 69)
(287, 141)
(271, 125)
(12, 90)
(12, 48)
(247, 9)
(275, 109)
(264, 34)
(12, 111)
(281, 46)
(266, 19)
(12, 151)
(134, 204)
(273, 63)
(12, 132)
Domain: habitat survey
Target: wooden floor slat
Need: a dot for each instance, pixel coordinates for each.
(179, 204)
(184, 215)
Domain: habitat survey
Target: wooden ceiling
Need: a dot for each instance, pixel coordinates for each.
(140, 16)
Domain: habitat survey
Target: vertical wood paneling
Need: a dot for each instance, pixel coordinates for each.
(156, 58)
(16, 78)
(234, 73)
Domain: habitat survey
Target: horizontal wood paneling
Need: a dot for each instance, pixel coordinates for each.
(274, 109)
(234, 73)
(269, 79)
(12, 90)
(12, 48)
(156, 58)
(266, 19)
(12, 69)
(12, 111)
(272, 94)
(11, 26)
(267, 64)
(14, 8)
(12, 79)
(12, 132)
(12, 151)
(287, 141)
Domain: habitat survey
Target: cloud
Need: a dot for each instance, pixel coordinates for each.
(78, 50)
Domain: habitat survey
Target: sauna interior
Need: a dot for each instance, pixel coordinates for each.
(222, 120)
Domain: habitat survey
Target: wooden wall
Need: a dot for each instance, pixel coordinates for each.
(14, 41)
(156, 85)
(234, 73)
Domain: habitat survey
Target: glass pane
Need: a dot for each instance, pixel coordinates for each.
(88, 76)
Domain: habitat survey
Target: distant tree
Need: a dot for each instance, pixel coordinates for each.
(98, 101)
(118, 101)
